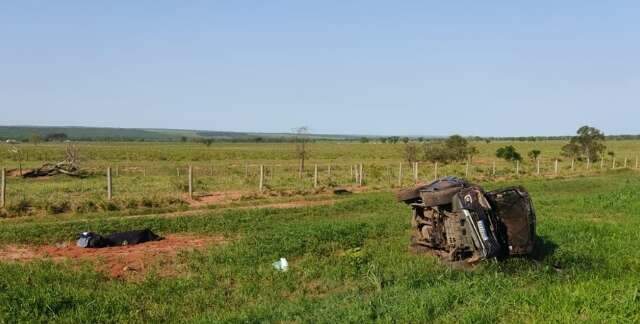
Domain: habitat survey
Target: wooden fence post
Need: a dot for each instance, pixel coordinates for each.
(415, 172)
(261, 185)
(178, 171)
(466, 170)
(355, 173)
(190, 182)
(3, 187)
(144, 171)
(588, 163)
(109, 184)
(517, 167)
(625, 162)
(556, 168)
(361, 174)
(315, 176)
(613, 164)
(493, 172)
(400, 176)
(537, 166)
(329, 171)
(435, 171)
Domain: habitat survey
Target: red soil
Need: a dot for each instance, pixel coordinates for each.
(117, 262)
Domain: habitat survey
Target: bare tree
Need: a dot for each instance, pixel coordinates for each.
(302, 134)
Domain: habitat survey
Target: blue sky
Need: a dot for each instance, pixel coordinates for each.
(501, 68)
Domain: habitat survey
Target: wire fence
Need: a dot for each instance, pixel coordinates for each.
(125, 180)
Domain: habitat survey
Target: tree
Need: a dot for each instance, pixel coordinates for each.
(571, 150)
(587, 144)
(383, 140)
(183, 139)
(509, 153)
(364, 140)
(411, 152)
(35, 138)
(534, 154)
(405, 140)
(56, 137)
(301, 146)
(455, 148)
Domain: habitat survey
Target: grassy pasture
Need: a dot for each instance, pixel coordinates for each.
(349, 263)
(153, 175)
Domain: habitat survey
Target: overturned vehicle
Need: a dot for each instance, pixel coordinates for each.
(460, 222)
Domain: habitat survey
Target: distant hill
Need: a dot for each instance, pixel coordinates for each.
(139, 134)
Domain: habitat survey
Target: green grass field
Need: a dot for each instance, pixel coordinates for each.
(155, 174)
(348, 263)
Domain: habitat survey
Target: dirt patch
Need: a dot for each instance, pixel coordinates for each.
(294, 204)
(214, 198)
(118, 262)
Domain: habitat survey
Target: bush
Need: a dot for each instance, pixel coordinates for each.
(87, 206)
(22, 207)
(509, 153)
(58, 207)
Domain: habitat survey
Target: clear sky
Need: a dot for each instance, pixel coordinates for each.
(503, 68)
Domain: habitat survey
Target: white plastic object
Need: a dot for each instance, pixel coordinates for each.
(281, 265)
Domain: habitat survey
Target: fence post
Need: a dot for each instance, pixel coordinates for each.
(261, 185)
(178, 171)
(517, 168)
(3, 187)
(556, 168)
(613, 164)
(537, 166)
(329, 171)
(144, 171)
(588, 163)
(435, 171)
(300, 169)
(493, 172)
(466, 170)
(361, 173)
(400, 176)
(190, 182)
(355, 173)
(625, 162)
(109, 184)
(315, 176)
(415, 172)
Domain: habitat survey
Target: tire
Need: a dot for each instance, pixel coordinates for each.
(440, 197)
(409, 195)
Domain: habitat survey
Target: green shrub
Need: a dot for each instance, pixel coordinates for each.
(58, 207)
(22, 207)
